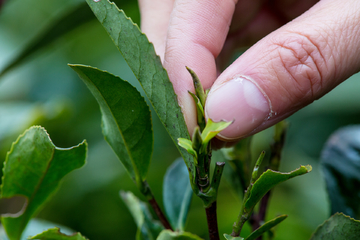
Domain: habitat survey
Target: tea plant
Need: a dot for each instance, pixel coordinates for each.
(34, 165)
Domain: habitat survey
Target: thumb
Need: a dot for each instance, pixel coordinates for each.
(288, 69)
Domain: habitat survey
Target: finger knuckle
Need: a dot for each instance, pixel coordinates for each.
(301, 62)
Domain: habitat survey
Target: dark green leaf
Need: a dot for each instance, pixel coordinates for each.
(141, 57)
(338, 227)
(228, 237)
(33, 169)
(340, 162)
(55, 234)
(268, 180)
(169, 235)
(148, 228)
(199, 90)
(266, 227)
(177, 194)
(126, 120)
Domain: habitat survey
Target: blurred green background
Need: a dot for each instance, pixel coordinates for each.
(45, 91)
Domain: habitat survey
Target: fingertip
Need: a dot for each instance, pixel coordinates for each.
(239, 100)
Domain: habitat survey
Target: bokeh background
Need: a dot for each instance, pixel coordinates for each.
(45, 91)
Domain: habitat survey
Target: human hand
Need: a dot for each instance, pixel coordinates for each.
(288, 69)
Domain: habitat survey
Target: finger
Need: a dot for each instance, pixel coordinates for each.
(195, 37)
(288, 69)
(155, 15)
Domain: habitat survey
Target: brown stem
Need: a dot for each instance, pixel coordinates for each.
(259, 217)
(160, 214)
(212, 222)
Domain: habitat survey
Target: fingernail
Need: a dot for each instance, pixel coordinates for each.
(240, 100)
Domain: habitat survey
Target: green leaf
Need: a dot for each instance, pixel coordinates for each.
(33, 169)
(212, 129)
(338, 226)
(148, 228)
(199, 90)
(55, 234)
(187, 144)
(140, 55)
(340, 162)
(268, 180)
(228, 237)
(199, 111)
(169, 235)
(177, 194)
(266, 227)
(126, 120)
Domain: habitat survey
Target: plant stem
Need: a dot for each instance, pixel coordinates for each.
(275, 158)
(242, 217)
(160, 214)
(146, 191)
(245, 214)
(212, 221)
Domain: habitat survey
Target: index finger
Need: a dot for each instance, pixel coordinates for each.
(196, 35)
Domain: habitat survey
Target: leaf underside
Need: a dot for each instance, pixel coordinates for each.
(33, 169)
(177, 194)
(148, 228)
(140, 55)
(126, 119)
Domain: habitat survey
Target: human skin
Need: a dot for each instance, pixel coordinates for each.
(302, 50)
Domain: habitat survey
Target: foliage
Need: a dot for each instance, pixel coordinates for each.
(33, 169)
(177, 194)
(338, 226)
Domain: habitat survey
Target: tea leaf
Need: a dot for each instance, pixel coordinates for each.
(268, 180)
(55, 234)
(187, 144)
(140, 55)
(33, 169)
(169, 235)
(338, 226)
(177, 194)
(199, 90)
(266, 227)
(212, 129)
(126, 120)
(148, 228)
